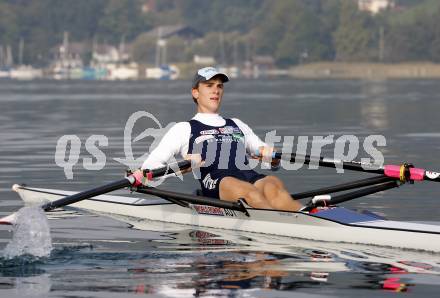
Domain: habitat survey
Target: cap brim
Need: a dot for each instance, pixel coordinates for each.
(224, 77)
(199, 79)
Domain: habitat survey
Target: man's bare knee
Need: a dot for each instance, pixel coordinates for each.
(270, 190)
(232, 189)
(275, 180)
(256, 199)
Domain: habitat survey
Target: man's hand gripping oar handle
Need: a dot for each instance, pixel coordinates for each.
(141, 177)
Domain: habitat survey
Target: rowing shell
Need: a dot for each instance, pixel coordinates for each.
(335, 224)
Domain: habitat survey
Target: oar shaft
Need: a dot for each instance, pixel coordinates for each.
(335, 200)
(169, 199)
(200, 200)
(126, 182)
(331, 163)
(363, 192)
(342, 187)
(403, 172)
(87, 194)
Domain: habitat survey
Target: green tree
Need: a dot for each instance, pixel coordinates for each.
(328, 12)
(294, 31)
(407, 43)
(354, 37)
(410, 41)
(8, 23)
(220, 15)
(301, 40)
(43, 22)
(272, 28)
(289, 30)
(122, 18)
(434, 48)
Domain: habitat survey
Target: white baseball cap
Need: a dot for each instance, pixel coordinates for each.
(207, 73)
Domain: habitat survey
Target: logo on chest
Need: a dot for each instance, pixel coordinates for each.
(225, 134)
(227, 130)
(209, 132)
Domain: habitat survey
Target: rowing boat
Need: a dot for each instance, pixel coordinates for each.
(321, 219)
(332, 224)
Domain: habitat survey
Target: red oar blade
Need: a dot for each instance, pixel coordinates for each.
(9, 220)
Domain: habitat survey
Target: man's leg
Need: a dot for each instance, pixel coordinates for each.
(231, 189)
(276, 194)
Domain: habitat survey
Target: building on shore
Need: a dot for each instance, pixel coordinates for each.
(375, 6)
(107, 62)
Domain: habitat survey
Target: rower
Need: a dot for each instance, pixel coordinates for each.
(222, 147)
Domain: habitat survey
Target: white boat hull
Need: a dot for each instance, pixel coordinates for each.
(335, 225)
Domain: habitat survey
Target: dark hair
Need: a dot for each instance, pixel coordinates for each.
(195, 87)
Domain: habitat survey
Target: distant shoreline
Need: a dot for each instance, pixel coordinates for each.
(343, 70)
(373, 71)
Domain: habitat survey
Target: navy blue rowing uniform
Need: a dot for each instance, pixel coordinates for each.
(224, 152)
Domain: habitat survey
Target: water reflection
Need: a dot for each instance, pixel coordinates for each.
(208, 262)
(374, 115)
(374, 111)
(37, 286)
(302, 268)
(262, 270)
(117, 260)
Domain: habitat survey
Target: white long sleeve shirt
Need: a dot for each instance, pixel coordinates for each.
(176, 140)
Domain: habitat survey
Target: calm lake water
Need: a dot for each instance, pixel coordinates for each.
(95, 256)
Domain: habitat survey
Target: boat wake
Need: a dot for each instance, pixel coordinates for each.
(31, 235)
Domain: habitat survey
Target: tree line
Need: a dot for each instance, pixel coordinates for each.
(291, 31)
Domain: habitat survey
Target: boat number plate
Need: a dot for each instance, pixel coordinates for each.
(210, 210)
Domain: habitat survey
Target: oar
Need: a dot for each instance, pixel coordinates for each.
(403, 172)
(87, 194)
(126, 182)
(328, 200)
(342, 187)
(199, 200)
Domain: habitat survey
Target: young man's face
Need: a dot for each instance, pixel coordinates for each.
(208, 95)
